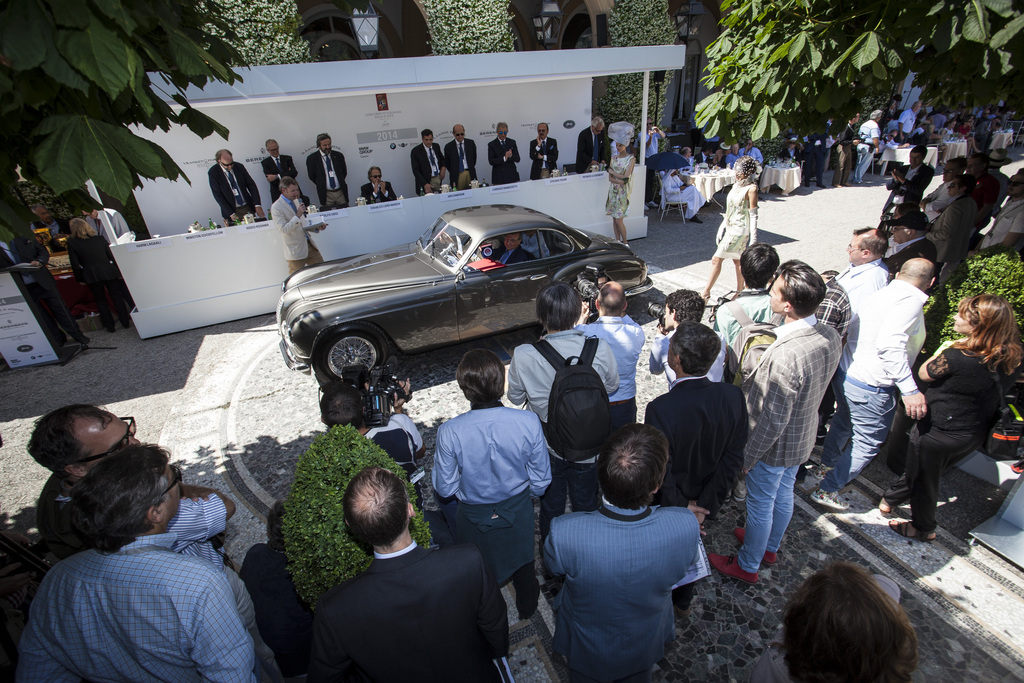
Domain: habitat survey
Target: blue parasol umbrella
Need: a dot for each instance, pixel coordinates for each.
(666, 161)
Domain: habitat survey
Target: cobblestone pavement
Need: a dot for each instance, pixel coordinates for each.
(222, 401)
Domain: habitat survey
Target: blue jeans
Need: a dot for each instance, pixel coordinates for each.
(622, 414)
(866, 153)
(577, 479)
(861, 423)
(769, 509)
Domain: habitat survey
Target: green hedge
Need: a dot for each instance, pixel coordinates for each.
(996, 270)
(321, 550)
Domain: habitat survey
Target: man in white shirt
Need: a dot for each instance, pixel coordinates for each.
(907, 120)
(682, 305)
(890, 337)
(866, 274)
(751, 151)
(626, 340)
(869, 135)
(1008, 229)
(654, 136)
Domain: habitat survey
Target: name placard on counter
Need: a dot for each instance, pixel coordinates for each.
(147, 245)
(596, 175)
(327, 215)
(384, 206)
(559, 180)
(247, 228)
(501, 189)
(452, 196)
(204, 235)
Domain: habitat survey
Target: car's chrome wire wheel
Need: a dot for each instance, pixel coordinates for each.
(351, 350)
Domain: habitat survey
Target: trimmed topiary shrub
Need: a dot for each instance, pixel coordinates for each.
(467, 27)
(321, 550)
(997, 270)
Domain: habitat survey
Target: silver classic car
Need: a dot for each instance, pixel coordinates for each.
(449, 286)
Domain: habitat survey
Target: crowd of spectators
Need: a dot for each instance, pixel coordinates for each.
(144, 590)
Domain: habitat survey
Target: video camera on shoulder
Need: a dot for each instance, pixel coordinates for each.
(588, 284)
(380, 388)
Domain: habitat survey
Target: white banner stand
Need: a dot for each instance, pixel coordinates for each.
(23, 340)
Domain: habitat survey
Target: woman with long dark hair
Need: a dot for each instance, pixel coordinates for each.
(94, 266)
(965, 379)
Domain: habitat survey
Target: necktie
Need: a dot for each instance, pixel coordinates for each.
(331, 182)
(234, 188)
(462, 159)
(595, 147)
(433, 162)
(277, 160)
(291, 204)
(504, 257)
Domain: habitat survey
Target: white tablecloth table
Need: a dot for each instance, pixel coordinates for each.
(1001, 140)
(710, 183)
(902, 156)
(954, 150)
(788, 179)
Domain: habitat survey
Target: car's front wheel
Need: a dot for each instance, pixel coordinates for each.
(353, 345)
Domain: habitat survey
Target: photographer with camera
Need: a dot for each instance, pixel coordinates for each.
(682, 305)
(626, 340)
(758, 264)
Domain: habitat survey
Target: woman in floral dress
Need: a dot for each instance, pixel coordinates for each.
(739, 226)
(619, 175)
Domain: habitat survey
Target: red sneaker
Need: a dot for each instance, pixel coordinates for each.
(769, 558)
(729, 567)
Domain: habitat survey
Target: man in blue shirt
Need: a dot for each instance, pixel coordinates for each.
(626, 340)
(130, 608)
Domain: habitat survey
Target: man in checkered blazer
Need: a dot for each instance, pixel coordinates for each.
(782, 394)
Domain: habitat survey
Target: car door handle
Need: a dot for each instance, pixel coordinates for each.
(539, 276)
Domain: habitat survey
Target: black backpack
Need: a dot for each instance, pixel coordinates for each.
(579, 416)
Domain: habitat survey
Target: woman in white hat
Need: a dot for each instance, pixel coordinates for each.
(620, 171)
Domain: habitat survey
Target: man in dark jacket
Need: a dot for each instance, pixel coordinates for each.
(277, 166)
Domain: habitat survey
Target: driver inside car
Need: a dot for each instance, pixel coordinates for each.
(512, 250)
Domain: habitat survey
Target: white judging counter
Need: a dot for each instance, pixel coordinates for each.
(187, 281)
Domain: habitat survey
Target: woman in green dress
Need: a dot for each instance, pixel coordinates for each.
(620, 171)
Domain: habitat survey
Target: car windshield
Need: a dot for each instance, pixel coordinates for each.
(444, 242)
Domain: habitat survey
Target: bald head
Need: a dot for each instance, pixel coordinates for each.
(918, 272)
(612, 301)
(376, 506)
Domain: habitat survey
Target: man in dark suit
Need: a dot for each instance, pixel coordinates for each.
(706, 156)
(608, 624)
(911, 180)
(414, 614)
(503, 155)
(705, 448)
(460, 158)
(544, 153)
(234, 189)
(56, 226)
(326, 168)
(590, 145)
(42, 287)
(909, 236)
(275, 167)
(427, 164)
(511, 251)
(377, 190)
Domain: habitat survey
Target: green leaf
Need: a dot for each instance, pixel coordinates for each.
(139, 153)
(25, 33)
(797, 46)
(60, 155)
(780, 52)
(816, 57)
(831, 70)
(1003, 8)
(104, 164)
(69, 13)
(57, 68)
(98, 54)
(1003, 35)
(201, 124)
(942, 40)
(186, 55)
(976, 23)
(760, 124)
(868, 52)
(879, 71)
(116, 11)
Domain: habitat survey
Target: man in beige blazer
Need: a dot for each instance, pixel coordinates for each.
(287, 213)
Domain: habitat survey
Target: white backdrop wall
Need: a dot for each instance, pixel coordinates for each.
(366, 136)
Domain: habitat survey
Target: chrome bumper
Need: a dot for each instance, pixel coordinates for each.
(640, 288)
(291, 361)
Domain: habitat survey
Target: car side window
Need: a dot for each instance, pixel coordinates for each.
(557, 243)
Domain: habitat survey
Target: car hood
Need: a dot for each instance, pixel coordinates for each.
(401, 266)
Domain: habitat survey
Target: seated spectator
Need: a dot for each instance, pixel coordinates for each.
(909, 181)
(682, 305)
(793, 151)
(758, 264)
(674, 190)
(117, 612)
(430, 616)
(750, 151)
(377, 190)
(938, 199)
(732, 155)
(844, 625)
(687, 154)
(609, 625)
(909, 240)
(1008, 228)
(494, 460)
(284, 621)
(511, 250)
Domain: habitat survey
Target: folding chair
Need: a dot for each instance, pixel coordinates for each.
(666, 206)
